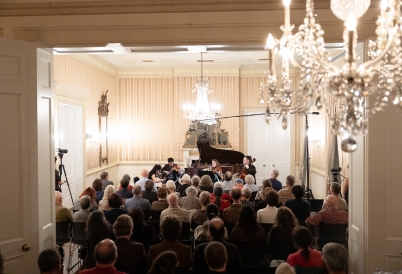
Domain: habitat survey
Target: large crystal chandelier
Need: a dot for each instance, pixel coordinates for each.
(202, 110)
(321, 82)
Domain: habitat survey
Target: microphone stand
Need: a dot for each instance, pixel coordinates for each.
(307, 192)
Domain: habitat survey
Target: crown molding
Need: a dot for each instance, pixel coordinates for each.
(97, 63)
(145, 73)
(50, 8)
(223, 71)
(74, 94)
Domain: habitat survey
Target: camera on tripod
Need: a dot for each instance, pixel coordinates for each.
(336, 172)
(60, 150)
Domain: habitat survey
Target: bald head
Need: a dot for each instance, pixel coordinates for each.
(216, 228)
(173, 199)
(58, 198)
(144, 173)
(332, 201)
(105, 253)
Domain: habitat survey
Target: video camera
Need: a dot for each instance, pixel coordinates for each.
(61, 152)
(335, 172)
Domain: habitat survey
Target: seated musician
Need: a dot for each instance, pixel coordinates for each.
(170, 170)
(155, 174)
(217, 170)
(249, 168)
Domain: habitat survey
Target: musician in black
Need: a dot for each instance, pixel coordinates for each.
(170, 170)
(248, 165)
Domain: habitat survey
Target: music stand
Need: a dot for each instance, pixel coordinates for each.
(209, 173)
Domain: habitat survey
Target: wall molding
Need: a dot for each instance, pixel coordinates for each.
(70, 93)
(223, 71)
(145, 73)
(97, 63)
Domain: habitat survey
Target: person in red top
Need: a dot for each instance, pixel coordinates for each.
(219, 198)
(106, 256)
(305, 257)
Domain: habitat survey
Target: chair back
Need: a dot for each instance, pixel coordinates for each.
(310, 270)
(229, 227)
(253, 194)
(79, 236)
(62, 233)
(316, 205)
(335, 233)
(266, 227)
(185, 235)
(252, 253)
(156, 216)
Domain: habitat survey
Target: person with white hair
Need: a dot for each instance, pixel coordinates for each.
(62, 213)
(250, 183)
(82, 215)
(190, 201)
(331, 215)
(171, 188)
(245, 197)
(335, 257)
(174, 209)
(184, 184)
(284, 268)
(277, 185)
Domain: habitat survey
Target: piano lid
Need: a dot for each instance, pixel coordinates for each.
(207, 153)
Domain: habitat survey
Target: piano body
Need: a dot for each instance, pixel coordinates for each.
(230, 160)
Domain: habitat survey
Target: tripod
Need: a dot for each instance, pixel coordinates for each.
(307, 192)
(61, 170)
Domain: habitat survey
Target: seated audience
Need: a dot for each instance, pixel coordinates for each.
(136, 179)
(49, 262)
(335, 190)
(143, 232)
(299, 206)
(284, 268)
(228, 184)
(103, 204)
(98, 186)
(174, 209)
(266, 183)
(124, 192)
(165, 263)
(155, 174)
(82, 215)
(131, 255)
(190, 201)
(239, 183)
(195, 182)
(62, 213)
(105, 179)
(245, 197)
(200, 216)
(280, 236)
(247, 229)
(331, 215)
(206, 184)
(89, 191)
(129, 187)
(250, 183)
(276, 185)
(286, 193)
(305, 256)
(161, 204)
(171, 188)
(201, 233)
(149, 192)
(184, 184)
(97, 229)
(335, 257)
(145, 176)
(260, 204)
(231, 214)
(137, 201)
(267, 215)
(106, 256)
(115, 202)
(219, 198)
(217, 232)
(170, 230)
(216, 257)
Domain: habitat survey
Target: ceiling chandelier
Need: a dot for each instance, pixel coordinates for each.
(322, 82)
(202, 111)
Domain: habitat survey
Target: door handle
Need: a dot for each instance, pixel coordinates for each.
(273, 165)
(264, 165)
(26, 247)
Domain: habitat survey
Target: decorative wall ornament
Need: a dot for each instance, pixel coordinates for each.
(103, 112)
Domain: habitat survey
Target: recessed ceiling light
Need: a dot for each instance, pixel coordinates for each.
(197, 48)
(118, 48)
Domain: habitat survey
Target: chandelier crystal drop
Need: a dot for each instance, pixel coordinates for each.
(203, 111)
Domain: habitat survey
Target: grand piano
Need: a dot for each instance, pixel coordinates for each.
(230, 160)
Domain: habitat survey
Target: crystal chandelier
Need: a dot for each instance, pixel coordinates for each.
(202, 111)
(321, 82)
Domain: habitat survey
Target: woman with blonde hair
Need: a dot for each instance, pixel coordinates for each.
(206, 184)
(103, 204)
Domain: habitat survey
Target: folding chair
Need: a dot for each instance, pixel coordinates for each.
(63, 236)
(335, 233)
(252, 253)
(78, 240)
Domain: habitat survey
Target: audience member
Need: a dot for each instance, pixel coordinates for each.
(131, 255)
(250, 183)
(99, 191)
(190, 201)
(124, 192)
(136, 179)
(331, 215)
(62, 213)
(280, 236)
(174, 209)
(89, 191)
(106, 256)
(299, 206)
(115, 202)
(335, 257)
(305, 256)
(345, 189)
(195, 182)
(284, 268)
(268, 214)
(276, 185)
(165, 263)
(171, 188)
(161, 204)
(138, 201)
(129, 187)
(206, 184)
(149, 192)
(105, 180)
(49, 262)
(145, 176)
(239, 183)
(199, 217)
(231, 214)
(170, 229)
(143, 232)
(261, 204)
(219, 198)
(97, 229)
(217, 232)
(216, 257)
(103, 204)
(247, 229)
(266, 183)
(228, 184)
(335, 190)
(82, 215)
(184, 184)
(201, 233)
(286, 193)
(245, 197)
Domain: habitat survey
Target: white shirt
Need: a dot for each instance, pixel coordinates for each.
(267, 215)
(252, 187)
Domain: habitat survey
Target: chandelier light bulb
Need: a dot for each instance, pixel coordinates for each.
(286, 3)
(270, 42)
(384, 4)
(351, 22)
